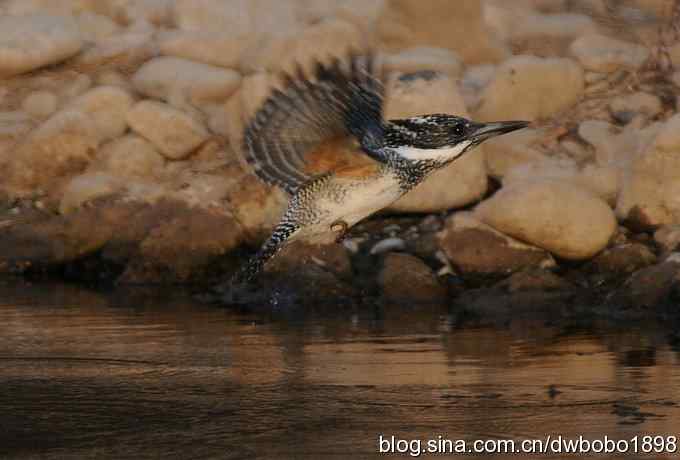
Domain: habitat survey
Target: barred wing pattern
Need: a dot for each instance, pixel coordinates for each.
(340, 99)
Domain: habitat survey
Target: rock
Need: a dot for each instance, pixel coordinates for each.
(613, 146)
(648, 197)
(407, 279)
(76, 86)
(465, 180)
(186, 247)
(668, 238)
(320, 42)
(646, 288)
(171, 79)
(553, 215)
(62, 146)
(157, 12)
(96, 27)
(34, 41)
(479, 252)
(333, 258)
(625, 108)
(40, 104)
(88, 187)
(204, 189)
(213, 16)
(403, 23)
(530, 88)
(55, 7)
(600, 53)
(131, 156)
(534, 279)
(107, 108)
(423, 58)
(622, 259)
(218, 49)
(388, 245)
(121, 51)
(602, 181)
(517, 23)
(506, 152)
(171, 131)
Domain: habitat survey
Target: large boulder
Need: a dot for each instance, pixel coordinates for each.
(569, 222)
(461, 183)
(649, 196)
(34, 41)
(478, 251)
(530, 88)
(405, 23)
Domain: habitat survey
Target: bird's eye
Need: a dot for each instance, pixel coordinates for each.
(459, 129)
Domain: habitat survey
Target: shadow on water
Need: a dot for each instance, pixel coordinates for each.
(85, 374)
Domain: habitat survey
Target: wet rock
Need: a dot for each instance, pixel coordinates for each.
(553, 215)
(646, 288)
(423, 58)
(622, 259)
(333, 258)
(407, 279)
(648, 197)
(388, 245)
(465, 180)
(131, 156)
(625, 108)
(176, 80)
(185, 248)
(529, 88)
(34, 41)
(479, 252)
(600, 53)
(403, 23)
(88, 187)
(40, 104)
(668, 238)
(534, 279)
(174, 133)
(218, 49)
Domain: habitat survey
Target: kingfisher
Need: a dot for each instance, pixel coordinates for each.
(323, 139)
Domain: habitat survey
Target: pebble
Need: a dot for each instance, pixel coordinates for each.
(388, 245)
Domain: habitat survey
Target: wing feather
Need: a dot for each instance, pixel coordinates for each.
(339, 99)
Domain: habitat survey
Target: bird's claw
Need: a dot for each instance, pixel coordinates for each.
(340, 227)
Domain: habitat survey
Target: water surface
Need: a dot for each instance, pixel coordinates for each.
(85, 374)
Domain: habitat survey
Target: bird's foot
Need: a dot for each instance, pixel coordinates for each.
(340, 227)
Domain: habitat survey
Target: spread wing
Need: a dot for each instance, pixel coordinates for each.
(340, 99)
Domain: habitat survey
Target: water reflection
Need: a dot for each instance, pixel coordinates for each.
(117, 376)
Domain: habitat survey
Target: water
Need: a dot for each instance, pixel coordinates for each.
(84, 374)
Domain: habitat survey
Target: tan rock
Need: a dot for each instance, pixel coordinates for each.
(404, 23)
(131, 156)
(553, 215)
(121, 51)
(95, 27)
(172, 132)
(107, 107)
(465, 180)
(477, 250)
(170, 79)
(530, 88)
(87, 187)
(649, 196)
(56, 7)
(34, 41)
(639, 103)
(213, 15)
(219, 49)
(423, 58)
(506, 152)
(600, 53)
(40, 104)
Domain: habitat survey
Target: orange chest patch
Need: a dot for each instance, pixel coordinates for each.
(341, 156)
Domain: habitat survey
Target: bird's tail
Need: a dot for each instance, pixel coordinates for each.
(281, 234)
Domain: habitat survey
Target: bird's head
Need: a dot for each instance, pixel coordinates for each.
(442, 138)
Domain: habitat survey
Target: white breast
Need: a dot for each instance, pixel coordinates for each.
(443, 154)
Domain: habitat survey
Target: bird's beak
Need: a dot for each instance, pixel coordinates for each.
(484, 131)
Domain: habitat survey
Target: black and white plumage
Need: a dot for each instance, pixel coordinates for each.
(345, 99)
